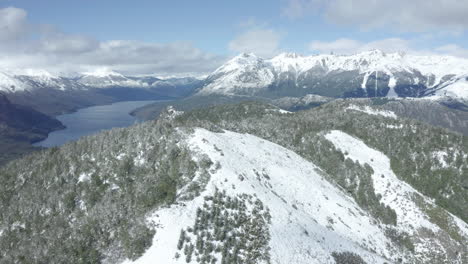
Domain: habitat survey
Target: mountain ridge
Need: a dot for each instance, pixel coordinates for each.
(30, 80)
(399, 74)
(175, 185)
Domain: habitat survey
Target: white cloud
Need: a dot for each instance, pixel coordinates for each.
(297, 8)
(404, 15)
(23, 45)
(342, 45)
(262, 41)
(13, 24)
(68, 44)
(453, 50)
(351, 46)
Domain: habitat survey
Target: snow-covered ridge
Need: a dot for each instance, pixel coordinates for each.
(395, 193)
(9, 83)
(310, 217)
(12, 81)
(247, 71)
(102, 72)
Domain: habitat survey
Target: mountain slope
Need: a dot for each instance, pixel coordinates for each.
(368, 74)
(247, 183)
(21, 125)
(456, 88)
(307, 212)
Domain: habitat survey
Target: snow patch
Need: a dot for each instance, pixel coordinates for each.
(400, 126)
(441, 157)
(391, 84)
(364, 81)
(281, 111)
(369, 110)
(84, 177)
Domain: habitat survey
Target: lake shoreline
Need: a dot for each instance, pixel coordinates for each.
(91, 120)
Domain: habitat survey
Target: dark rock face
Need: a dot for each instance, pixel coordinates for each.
(23, 123)
(19, 127)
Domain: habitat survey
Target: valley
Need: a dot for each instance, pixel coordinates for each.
(58, 97)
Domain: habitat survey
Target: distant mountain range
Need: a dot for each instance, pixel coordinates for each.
(367, 74)
(11, 82)
(52, 94)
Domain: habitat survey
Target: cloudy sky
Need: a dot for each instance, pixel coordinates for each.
(194, 37)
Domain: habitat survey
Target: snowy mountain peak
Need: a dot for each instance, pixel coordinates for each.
(37, 73)
(246, 55)
(245, 58)
(241, 61)
(103, 72)
(398, 74)
(8, 83)
(373, 53)
(288, 55)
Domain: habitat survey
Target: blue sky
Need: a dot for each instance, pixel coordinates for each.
(213, 31)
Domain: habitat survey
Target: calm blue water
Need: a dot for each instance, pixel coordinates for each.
(90, 120)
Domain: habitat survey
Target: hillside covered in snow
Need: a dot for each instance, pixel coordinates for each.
(347, 182)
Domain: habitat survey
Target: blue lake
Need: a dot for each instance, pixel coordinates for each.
(93, 119)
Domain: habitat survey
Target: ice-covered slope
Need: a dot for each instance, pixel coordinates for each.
(398, 74)
(456, 88)
(310, 217)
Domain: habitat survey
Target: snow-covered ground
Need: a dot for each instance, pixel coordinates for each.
(310, 216)
(371, 111)
(458, 89)
(395, 193)
(8, 83)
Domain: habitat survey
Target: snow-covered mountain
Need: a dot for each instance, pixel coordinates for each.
(367, 74)
(107, 78)
(456, 88)
(104, 78)
(244, 183)
(308, 218)
(30, 80)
